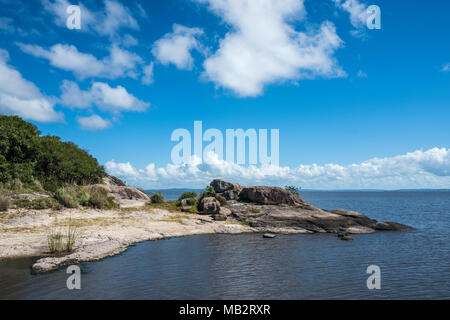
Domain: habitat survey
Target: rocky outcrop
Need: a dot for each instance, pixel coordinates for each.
(269, 195)
(275, 210)
(231, 194)
(113, 181)
(209, 205)
(122, 192)
(307, 218)
(221, 186)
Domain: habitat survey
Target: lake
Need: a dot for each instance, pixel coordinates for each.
(414, 264)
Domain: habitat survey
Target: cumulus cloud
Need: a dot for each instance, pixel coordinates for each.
(119, 63)
(419, 169)
(361, 74)
(101, 95)
(107, 22)
(262, 46)
(446, 67)
(21, 97)
(356, 9)
(147, 78)
(175, 48)
(93, 122)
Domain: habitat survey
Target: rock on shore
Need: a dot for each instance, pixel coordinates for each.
(274, 209)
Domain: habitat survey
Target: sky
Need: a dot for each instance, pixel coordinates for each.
(356, 108)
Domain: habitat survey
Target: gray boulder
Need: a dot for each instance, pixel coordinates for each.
(231, 194)
(209, 205)
(269, 196)
(224, 211)
(113, 181)
(219, 217)
(222, 185)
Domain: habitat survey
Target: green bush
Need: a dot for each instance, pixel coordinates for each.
(67, 196)
(84, 197)
(99, 199)
(221, 199)
(157, 197)
(188, 195)
(26, 156)
(39, 204)
(63, 240)
(292, 189)
(208, 192)
(4, 203)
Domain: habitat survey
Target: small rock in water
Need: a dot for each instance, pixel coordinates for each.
(269, 235)
(345, 236)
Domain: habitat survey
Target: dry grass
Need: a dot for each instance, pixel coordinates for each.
(63, 239)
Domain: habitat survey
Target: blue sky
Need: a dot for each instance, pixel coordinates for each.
(356, 108)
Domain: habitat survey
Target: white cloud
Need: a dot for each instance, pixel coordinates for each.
(361, 74)
(147, 78)
(21, 97)
(357, 11)
(175, 48)
(119, 63)
(101, 95)
(446, 67)
(419, 169)
(93, 122)
(262, 46)
(106, 22)
(6, 25)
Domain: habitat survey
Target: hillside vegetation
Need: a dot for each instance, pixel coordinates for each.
(29, 160)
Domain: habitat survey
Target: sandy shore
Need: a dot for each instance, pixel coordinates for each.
(101, 233)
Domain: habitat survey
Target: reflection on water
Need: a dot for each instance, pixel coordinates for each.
(414, 264)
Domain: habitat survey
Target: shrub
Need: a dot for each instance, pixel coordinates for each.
(157, 197)
(16, 185)
(67, 196)
(99, 199)
(221, 199)
(63, 241)
(188, 195)
(39, 204)
(191, 201)
(292, 189)
(36, 185)
(4, 203)
(84, 197)
(26, 156)
(193, 209)
(55, 242)
(208, 192)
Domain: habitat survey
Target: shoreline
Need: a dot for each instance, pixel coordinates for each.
(102, 233)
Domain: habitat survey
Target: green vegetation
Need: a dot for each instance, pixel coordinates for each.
(4, 203)
(172, 206)
(38, 204)
(63, 241)
(292, 189)
(157, 197)
(208, 192)
(28, 159)
(188, 195)
(222, 200)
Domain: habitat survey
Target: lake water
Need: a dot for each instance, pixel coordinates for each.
(414, 264)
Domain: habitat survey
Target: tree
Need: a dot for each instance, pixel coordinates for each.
(25, 155)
